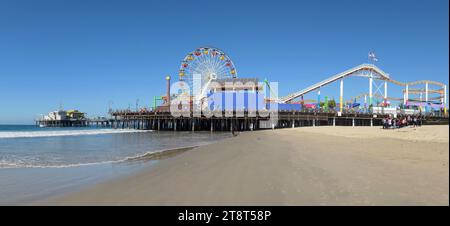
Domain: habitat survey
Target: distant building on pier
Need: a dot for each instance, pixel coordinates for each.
(62, 118)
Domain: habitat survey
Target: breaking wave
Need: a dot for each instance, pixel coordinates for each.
(151, 155)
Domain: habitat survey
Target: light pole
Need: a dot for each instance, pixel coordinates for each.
(137, 105)
(109, 106)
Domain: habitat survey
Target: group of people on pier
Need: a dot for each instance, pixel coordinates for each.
(400, 122)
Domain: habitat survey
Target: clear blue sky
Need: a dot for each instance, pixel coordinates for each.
(85, 54)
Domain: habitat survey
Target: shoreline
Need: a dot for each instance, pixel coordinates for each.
(277, 168)
(147, 156)
(86, 175)
(60, 181)
(158, 155)
(96, 149)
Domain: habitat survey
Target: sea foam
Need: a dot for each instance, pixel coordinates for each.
(30, 134)
(150, 155)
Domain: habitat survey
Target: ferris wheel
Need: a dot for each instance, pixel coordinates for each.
(207, 64)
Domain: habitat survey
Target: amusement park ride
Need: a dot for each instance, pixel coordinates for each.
(208, 71)
(202, 72)
(210, 64)
(214, 65)
(373, 73)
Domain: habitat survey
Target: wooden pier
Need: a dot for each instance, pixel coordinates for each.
(286, 119)
(75, 123)
(160, 117)
(164, 121)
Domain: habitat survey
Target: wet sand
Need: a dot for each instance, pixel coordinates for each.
(301, 166)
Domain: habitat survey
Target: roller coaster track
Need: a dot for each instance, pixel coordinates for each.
(419, 91)
(359, 69)
(416, 82)
(388, 98)
(364, 70)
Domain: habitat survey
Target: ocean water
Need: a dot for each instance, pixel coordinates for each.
(42, 162)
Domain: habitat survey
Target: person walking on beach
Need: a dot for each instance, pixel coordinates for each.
(234, 127)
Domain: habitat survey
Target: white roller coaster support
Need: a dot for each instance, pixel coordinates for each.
(341, 96)
(370, 91)
(406, 94)
(426, 93)
(318, 98)
(404, 98)
(445, 99)
(385, 90)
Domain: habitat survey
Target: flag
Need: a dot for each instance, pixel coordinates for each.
(373, 57)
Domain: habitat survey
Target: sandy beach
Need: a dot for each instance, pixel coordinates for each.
(300, 166)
